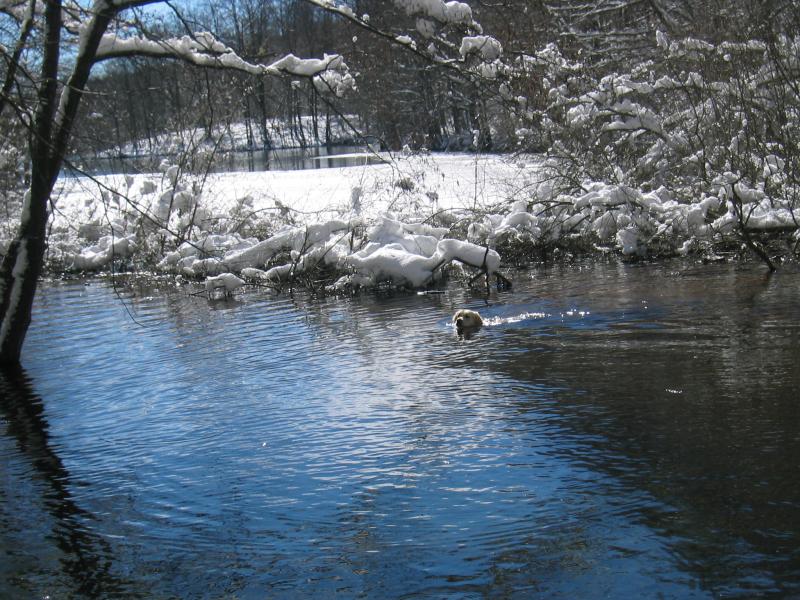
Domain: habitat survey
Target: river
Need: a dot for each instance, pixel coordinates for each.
(636, 434)
(282, 159)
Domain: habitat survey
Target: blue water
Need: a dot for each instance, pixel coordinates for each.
(637, 437)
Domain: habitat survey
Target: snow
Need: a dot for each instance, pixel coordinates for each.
(357, 220)
(21, 265)
(405, 40)
(401, 222)
(101, 254)
(306, 67)
(426, 28)
(629, 240)
(397, 263)
(488, 47)
(203, 49)
(226, 281)
(444, 12)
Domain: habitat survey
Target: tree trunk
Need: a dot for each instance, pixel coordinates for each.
(22, 264)
(52, 128)
(20, 272)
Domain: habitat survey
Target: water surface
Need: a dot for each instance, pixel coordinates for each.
(280, 159)
(636, 435)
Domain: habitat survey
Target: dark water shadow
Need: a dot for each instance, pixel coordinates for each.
(690, 403)
(86, 557)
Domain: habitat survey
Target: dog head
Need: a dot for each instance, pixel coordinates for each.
(467, 320)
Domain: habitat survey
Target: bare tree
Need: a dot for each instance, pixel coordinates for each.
(111, 29)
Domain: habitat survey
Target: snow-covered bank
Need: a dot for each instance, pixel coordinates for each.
(400, 222)
(365, 223)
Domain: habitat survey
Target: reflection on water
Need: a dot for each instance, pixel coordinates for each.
(282, 159)
(43, 530)
(635, 435)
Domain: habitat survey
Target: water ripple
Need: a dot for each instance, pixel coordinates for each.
(596, 438)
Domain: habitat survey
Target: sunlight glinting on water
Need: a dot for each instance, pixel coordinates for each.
(270, 445)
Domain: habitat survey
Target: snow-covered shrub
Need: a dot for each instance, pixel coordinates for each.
(714, 125)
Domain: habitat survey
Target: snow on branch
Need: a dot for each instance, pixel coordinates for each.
(329, 73)
(444, 12)
(488, 47)
(456, 13)
(431, 14)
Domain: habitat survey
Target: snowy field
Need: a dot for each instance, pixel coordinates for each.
(400, 222)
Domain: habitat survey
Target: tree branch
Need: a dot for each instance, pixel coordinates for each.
(14, 59)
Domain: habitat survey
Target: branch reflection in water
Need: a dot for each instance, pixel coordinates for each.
(40, 523)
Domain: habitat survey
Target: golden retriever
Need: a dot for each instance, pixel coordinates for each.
(467, 320)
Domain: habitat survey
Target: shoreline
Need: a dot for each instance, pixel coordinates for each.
(401, 222)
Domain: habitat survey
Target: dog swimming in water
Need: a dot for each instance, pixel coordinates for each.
(467, 320)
